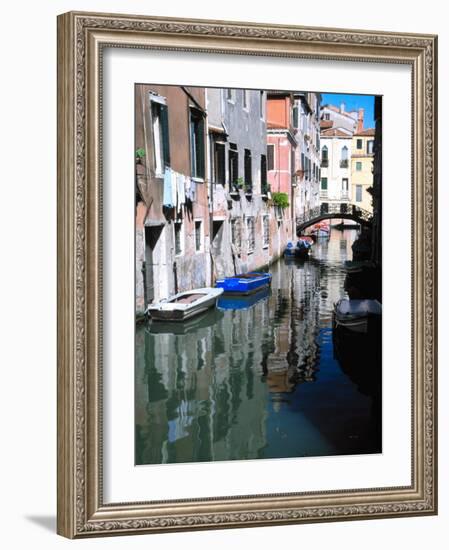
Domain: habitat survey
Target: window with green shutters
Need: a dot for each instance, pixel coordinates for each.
(295, 117)
(324, 184)
(263, 175)
(270, 156)
(219, 163)
(248, 173)
(233, 160)
(197, 143)
(358, 166)
(161, 141)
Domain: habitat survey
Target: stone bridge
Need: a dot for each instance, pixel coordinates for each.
(333, 210)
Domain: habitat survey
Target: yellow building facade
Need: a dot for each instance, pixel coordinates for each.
(362, 156)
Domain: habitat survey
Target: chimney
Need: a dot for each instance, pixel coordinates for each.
(360, 121)
(342, 107)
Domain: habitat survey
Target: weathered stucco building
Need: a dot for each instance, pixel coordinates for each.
(362, 167)
(172, 230)
(306, 122)
(241, 215)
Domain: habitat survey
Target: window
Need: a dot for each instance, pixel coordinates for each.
(358, 193)
(233, 165)
(266, 230)
(178, 238)
(344, 157)
(344, 188)
(229, 94)
(248, 170)
(358, 166)
(324, 184)
(307, 168)
(245, 99)
(251, 234)
(327, 116)
(360, 144)
(161, 147)
(197, 143)
(295, 117)
(270, 156)
(324, 157)
(236, 238)
(370, 147)
(219, 163)
(261, 102)
(198, 236)
(263, 175)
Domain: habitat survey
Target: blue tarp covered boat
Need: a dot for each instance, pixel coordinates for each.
(301, 250)
(245, 283)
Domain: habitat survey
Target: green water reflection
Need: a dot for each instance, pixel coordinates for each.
(255, 382)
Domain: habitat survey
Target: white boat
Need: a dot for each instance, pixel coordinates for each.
(184, 305)
(354, 314)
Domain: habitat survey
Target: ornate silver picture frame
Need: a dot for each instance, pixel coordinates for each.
(82, 510)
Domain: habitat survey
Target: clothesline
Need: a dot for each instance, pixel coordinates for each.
(178, 188)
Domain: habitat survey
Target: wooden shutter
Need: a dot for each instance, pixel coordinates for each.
(165, 134)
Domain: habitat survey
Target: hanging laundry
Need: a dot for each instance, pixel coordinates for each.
(174, 188)
(193, 190)
(168, 189)
(180, 183)
(187, 184)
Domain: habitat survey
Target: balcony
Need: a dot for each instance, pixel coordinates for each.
(324, 163)
(344, 163)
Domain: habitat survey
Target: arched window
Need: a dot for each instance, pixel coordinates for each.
(324, 157)
(344, 157)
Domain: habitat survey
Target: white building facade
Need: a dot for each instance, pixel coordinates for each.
(306, 122)
(335, 166)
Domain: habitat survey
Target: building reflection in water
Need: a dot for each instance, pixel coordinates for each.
(255, 382)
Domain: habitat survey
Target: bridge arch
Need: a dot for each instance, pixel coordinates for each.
(329, 211)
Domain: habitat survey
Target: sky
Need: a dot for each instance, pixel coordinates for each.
(352, 103)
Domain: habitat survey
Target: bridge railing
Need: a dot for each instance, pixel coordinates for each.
(333, 209)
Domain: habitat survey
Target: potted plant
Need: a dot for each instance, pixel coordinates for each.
(140, 154)
(239, 182)
(280, 200)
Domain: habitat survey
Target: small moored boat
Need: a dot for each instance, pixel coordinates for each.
(184, 305)
(300, 250)
(245, 283)
(354, 315)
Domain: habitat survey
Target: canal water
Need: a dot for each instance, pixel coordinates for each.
(257, 377)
